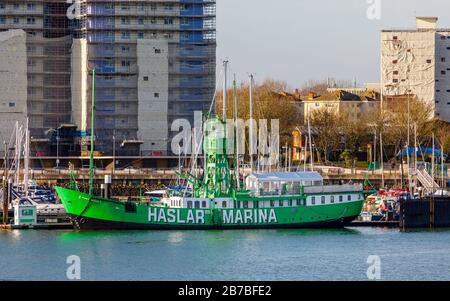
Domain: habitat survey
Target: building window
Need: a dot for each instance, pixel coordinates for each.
(125, 20)
(16, 6)
(156, 95)
(2, 6)
(395, 38)
(141, 21)
(394, 61)
(443, 59)
(395, 72)
(153, 6)
(428, 61)
(168, 21)
(12, 104)
(157, 51)
(140, 35)
(395, 80)
(125, 6)
(443, 72)
(16, 20)
(31, 20)
(126, 35)
(31, 6)
(145, 78)
(2, 20)
(168, 6)
(125, 48)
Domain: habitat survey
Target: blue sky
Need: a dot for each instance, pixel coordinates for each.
(299, 40)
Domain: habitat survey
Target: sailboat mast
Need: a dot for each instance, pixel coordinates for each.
(236, 133)
(27, 158)
(432, 163)
(310, 145)
(91, 160)
(225, 92)
(250, 131)
(381, 160)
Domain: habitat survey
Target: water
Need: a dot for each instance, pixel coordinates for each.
(226, 255)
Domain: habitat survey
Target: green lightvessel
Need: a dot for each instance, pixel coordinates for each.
(268, 200)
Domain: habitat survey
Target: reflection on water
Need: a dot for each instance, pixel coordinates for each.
(288, 254)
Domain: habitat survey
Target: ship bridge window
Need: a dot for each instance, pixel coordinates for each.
(313, 200)
(272, 203)
(290, 203)
(341, 198)
(245, 205)
(197, 204)
(332, 199)
(255, 204)
(349, 198)
(224, 204)
(280, 203)
(299, 202)
(322, 200)
(189, 204)
(203, 204)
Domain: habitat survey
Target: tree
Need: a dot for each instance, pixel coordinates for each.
(326, 125)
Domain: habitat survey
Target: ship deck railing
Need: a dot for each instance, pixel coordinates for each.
(312, 190)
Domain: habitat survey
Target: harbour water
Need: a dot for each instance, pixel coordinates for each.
(226, 255)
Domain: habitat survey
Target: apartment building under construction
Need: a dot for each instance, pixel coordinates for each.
(154, 61)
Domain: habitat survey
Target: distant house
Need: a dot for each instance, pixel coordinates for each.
(342, 102)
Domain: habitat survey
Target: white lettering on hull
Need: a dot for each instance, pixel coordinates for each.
(248, 216)
(197, 217)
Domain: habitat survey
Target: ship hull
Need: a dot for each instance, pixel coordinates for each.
(91, 213)
(85, 223)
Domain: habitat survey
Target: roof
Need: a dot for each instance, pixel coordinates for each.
(342, 95)
(287, 176)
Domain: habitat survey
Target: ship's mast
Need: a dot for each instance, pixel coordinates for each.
(91, 159)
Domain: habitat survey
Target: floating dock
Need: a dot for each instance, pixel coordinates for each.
(430, 212)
